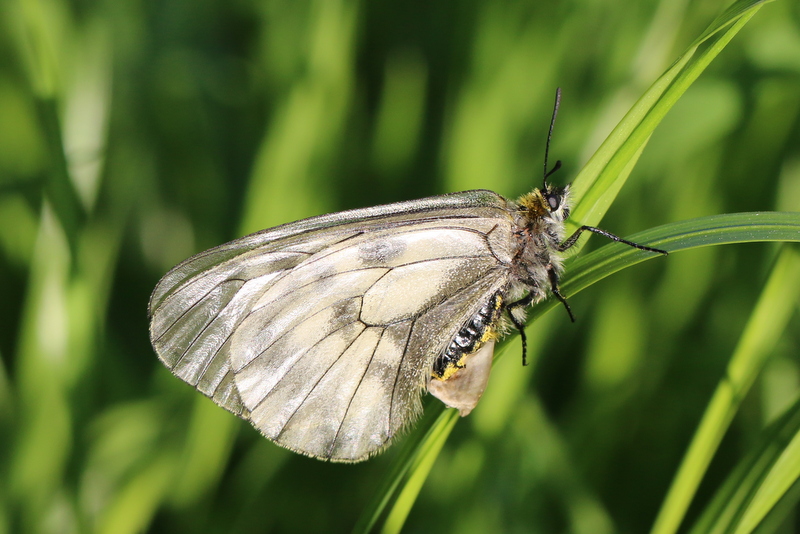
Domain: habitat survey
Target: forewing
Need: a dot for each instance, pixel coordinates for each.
(323, 332)
(190, 325)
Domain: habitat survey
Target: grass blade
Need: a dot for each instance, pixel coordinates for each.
(421, 464)
(598, 183)
(727, 507)
(767, 322)
(437, 423)
(724, 229)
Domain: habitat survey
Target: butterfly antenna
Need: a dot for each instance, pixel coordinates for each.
(557, 166)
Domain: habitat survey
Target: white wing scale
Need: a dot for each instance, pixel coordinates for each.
(323, 332)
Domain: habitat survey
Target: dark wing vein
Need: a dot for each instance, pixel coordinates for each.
(203, 330)
(355, 392)
(397, 374)
(310, 347)
(311, 390)
(298, 325)
(191, 307)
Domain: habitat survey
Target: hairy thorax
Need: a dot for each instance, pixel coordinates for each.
(539, 230)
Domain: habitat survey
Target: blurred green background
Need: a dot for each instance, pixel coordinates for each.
(134, 134)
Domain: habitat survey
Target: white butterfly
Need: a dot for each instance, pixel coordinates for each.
(324, 333)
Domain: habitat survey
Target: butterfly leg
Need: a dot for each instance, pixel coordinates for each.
(526, 300)
(571, 240)
(520, 325)
(553, 275)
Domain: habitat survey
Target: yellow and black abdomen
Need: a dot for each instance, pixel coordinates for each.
(478, 330)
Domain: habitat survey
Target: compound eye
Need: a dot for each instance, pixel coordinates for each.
(553, 200)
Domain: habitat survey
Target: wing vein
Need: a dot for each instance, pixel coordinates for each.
(310, 347)
(202, 330)
(320, 257)
(338, 273)
(190, 308)
(355, 392)
(310, 391)
(397, 374)
(288, 330)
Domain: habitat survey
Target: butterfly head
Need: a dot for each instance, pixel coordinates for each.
(550, 203)
(556, 201)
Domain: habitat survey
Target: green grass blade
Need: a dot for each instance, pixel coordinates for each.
(778, 513)
(421, 465)
(435, 418)
(764, 328)
(733, 13)
(779, 491)
(724, 229)
(38, 39)
(733, 498)
(598, 183)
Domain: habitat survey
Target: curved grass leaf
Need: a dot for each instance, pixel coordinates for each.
(39, 40)
(422, 462)
(598, 183)
(695, 233)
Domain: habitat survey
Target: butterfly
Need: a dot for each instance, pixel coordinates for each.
(325, 333)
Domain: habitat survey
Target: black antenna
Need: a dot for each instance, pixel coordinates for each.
(549, 136)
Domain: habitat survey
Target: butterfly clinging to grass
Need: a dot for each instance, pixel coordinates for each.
(324, 333)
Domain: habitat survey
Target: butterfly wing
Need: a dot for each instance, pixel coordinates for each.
(323, 332)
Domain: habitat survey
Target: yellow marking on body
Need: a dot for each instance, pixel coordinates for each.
(451, 369)
(490, 334)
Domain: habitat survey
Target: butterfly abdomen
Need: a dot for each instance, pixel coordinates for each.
(481, 328)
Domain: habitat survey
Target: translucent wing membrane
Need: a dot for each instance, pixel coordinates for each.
(323, 332)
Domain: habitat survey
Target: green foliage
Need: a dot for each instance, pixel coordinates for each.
(135, 134)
